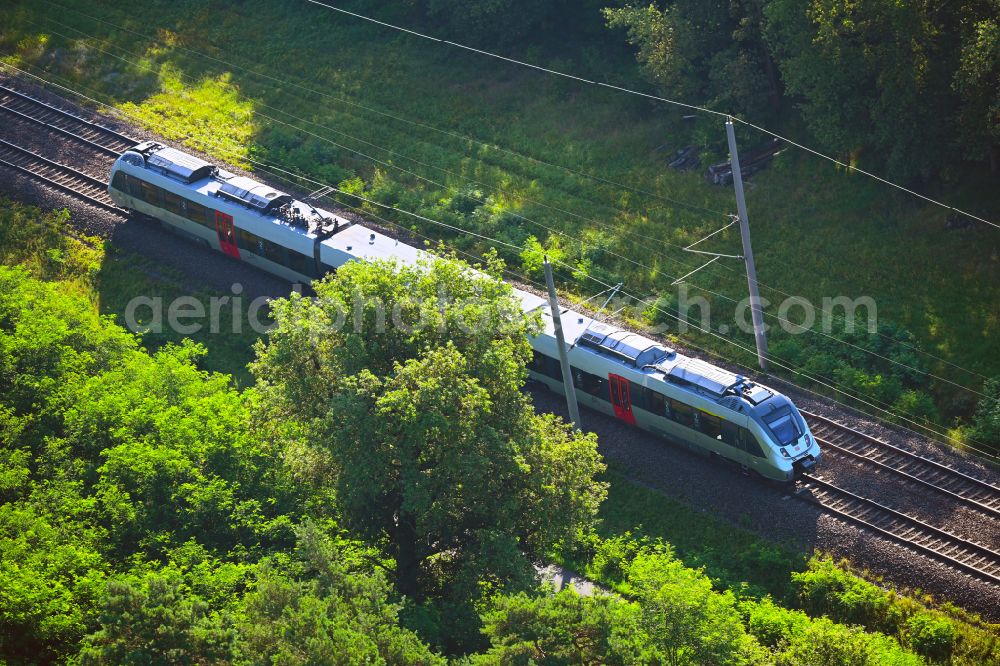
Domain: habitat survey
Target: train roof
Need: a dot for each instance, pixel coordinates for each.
(197, 175)
(249, 192)
(654, 359)
(358, 242)
(173, 162)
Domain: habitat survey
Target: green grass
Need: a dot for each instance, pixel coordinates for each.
(817, 231)
(732, 556)
(111, 278)
(124, 276)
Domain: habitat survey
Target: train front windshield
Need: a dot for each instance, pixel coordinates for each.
(783, 425)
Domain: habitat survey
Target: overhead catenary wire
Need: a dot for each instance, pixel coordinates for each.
(395, 116)
(666, 100)
(627, 232)
(870, 402)
(575, 269)
(390, 165)
(704, 350)
(705, 265)
(780, 362)
(628, 259)
(617, 229)
(565, 235)
(785, 321)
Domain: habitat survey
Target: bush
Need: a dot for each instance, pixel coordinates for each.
(771, 624)
(986, 423)
(947, 635)
(932, 637)
(827, 589)
(825, 643)
(613, 557)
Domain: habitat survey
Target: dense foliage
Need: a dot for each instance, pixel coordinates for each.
(711, 52)
(150, 513)
(898, 81)
(457, 475)
(912, 86)
(142, 505)
(986, 422)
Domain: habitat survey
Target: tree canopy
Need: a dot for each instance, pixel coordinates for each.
(417, 400)
(909, 87)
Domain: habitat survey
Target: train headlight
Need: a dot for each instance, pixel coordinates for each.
(784, 452)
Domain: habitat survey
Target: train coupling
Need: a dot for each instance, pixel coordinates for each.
(804, 465)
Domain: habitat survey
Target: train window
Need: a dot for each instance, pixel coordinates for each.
(783, 426)
(553, 369)
(300, 263)
(173, 203)
(545, 365)
(247, 241)
(589, 383)
(638, 395)
(597, 386)
(150, 193)
(730, 433)
(655, 402)
(133, 185)
(277, 253)
(537, 363)
(198, 213)
(683, 414)
(710, 424)
(750, 444)
(262, 247)
(120, 181)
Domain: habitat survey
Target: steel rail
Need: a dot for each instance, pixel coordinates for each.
(913, 467)
(46, 170)
(118, 144)
(960, 553)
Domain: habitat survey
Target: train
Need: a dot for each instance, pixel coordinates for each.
(615, 371)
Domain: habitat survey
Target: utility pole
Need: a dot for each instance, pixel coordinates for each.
(741, 209)
(567, 374)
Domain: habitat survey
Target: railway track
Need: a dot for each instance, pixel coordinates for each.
(914, 468)
(94, 135)
(56, 175)
(958, 552)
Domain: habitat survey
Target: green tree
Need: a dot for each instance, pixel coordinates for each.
(156, 619)
(822, 642)
(485, 22)
(704, 53)
(976, 83)
(683, 619)
(986, 422)
(563, 628)
(435, 450)
(177, 456)
(320, 610)
(51, 574)
(870, 75)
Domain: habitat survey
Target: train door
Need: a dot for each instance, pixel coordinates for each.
(227, 234)
(753, 454)
(621, 399)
